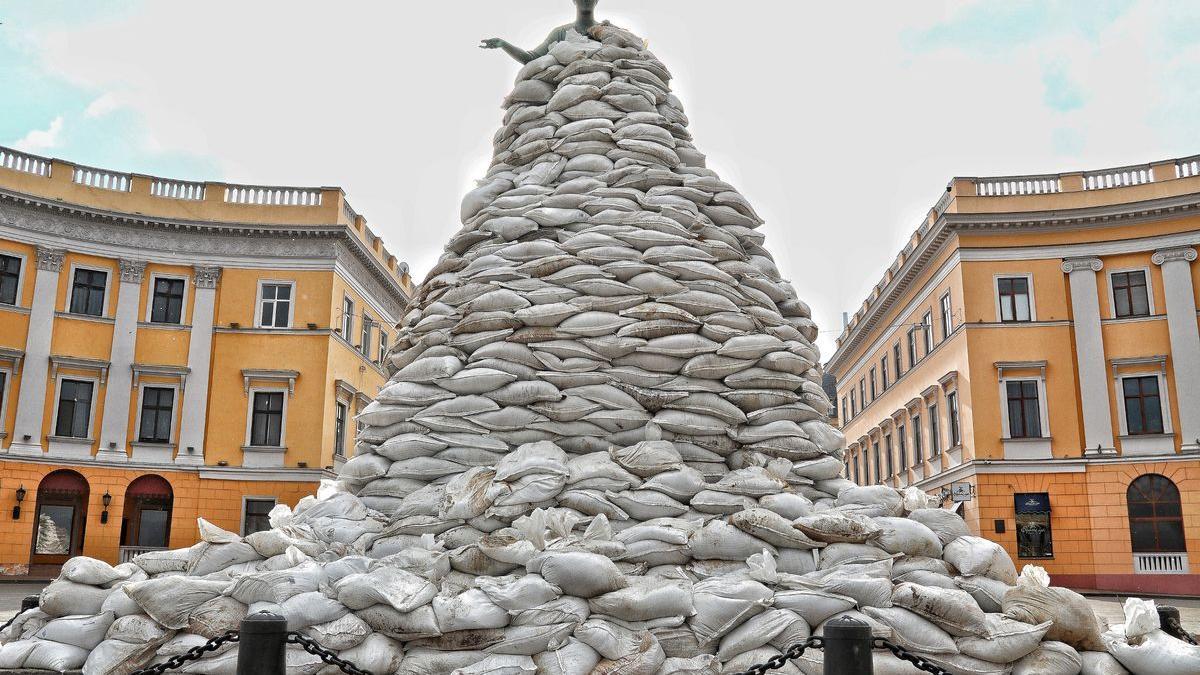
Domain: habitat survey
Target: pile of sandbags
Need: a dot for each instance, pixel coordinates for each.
(603, 448)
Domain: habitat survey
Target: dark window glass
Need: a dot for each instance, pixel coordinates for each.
(383, 345)
(56, 528)
(266, 427)
(87, 292)
(912, 349)
(935, 436)
(917, 445)
(878, 464)
(167, 303)
(10, 275)
(853, 404)
(947, 317)
(1024, 414)
(152, 530)
(891, 462)
(897, 364)
(1014, 299)
(862, 393)
(365, 344)
(339, 430)
(857, 467)
(256, 517)
(952, 412)
(1034, 539)
(902, 436)
(1155, 515)
(1129, 294)
(883, 368)
(927, 331)
(74, 409)
(158, 404)
(1143, 405)
(874, 391)
(845, 409)
(276, 306)
(347, 318)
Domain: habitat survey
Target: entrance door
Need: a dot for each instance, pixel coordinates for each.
(146, 523)
(60, 518)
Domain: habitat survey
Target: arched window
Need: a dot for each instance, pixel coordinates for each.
(61, 513)
(1155, 516)
(146, 518)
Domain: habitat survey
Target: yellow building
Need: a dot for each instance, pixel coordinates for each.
(170, 349)
(1035, 345)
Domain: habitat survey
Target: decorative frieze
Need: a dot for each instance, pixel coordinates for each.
(206, 276)
(1183, 253)
(1082, 264)
(50, 259)
(132, 271)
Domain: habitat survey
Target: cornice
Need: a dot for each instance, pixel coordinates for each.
(1071, 265)
(1181, 254)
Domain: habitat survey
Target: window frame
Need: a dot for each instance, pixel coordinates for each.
(878, 464)
(183, 304)
(1164, 410)
(953, 420)
(845, 408)
(927, 329)
(22, 272)
(1043, 412)
(1048, 553)
(1112, 293)
(6, 376)
(874, 385)
(853, 404)
(348, 307)
(897, 361)
(255, 498)
(365, 331)
(341, 416)
(382, 344)
(918, 446)
(258, 304)
(935, 430)
(250, 416)
(902, 446)
(862, 393)
(911, 345)
(1028, 277)
(91, 417)
(945, 303)
(1154, 519)
(883, 368)
(108, 278)
(137, 432)
(889, 449)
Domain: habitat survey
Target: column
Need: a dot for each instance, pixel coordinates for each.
(1176, 266)
(114, 429)
(1089, 356)
(31, 399)
(195, 396)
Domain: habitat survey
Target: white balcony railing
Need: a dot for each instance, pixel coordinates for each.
(272, 196)
(128, 553)
(1017, 185)
(1187, 167)
(19, 161)
(101, 178)
(177, 189)
(1160, 563)
(1119, 177)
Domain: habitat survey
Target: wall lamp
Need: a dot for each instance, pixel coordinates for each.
(20, 498)
(106, 500)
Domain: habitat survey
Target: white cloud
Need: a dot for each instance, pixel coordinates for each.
(102, 106)
(40, 140)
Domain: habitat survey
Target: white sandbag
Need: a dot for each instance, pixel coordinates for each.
(813, 606)
(84, 632)
(1004, 640)
(787, 504)
(47, 655)
(518, 593)
(119, 604)
(1155, 653)
(902, 535)
(772, 528)
(308, 609)
(946, 524)
(216, 617)
(1100, 663)
(577, 573)
(423, 661)
(723, 603)
(756, 632)
(833, 527)
(92, 572)
(976, 556)
(67, 598)
(470, 610)
(170, 600)
(1072, 618)
(571, 658)
(402, 590)
(645, 599)
(376, 654)
(911, 631)
(499, 664)
(953, 611)
(988, 592)
(1049, 658)
(719, 540)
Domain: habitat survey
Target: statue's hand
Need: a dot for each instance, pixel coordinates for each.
(491, 43)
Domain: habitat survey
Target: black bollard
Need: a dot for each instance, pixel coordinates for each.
(848, 647)
(262, 645)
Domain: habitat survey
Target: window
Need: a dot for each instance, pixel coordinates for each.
(912, 349)
(1033, 525)
(935, 434)
(952, 414)
(927, 331)
(853, 404)
(10, 275)
(3, 390)
(845, 408)
(74, 409)
(917, 449)
(87, 292)
(947, 317)
(158, 404)
(339, 430)
(383, 344)
(1155, 515)
(266, 425)
(1014, 299)
(275, 308)
(1130, 297)
(256, 514)
(347, 318)
(167, 303)
(896, 363)
(1143, 405)
(874, 391)
(1024, 413)
(891, 461)
(878, 465)
(903, 440)
(857, 468)
(364, 344)
(883, 368)
(862, 393)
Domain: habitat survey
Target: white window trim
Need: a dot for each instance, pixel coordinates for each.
(108, 279)
(258, 300)
(4, 400)
(1042, 407)
(885, 368)
(1112, 303)
(927, 328)
(137, 431)
(365, 333)
(1164, 399)
(347, 318)
(155, 276)
(947, 314)
(996, 295)
(937, 443)
(282, 421)
(345, 439)
(382, 344)
(92, 406)
(21, 275)
(246, 498)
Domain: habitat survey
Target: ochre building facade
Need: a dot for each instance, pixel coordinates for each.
(1035, 348)
(173, 349)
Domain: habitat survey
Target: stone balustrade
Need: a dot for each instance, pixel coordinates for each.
(19, 161)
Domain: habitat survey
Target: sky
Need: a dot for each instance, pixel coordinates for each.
(841, 121)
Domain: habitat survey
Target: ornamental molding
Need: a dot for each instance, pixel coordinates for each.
(206, 276)
(1071, 265)
(132, 271)
(50, 259)
(265, 375)
(1181, 254)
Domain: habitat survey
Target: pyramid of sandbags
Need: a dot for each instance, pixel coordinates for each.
(603, 449)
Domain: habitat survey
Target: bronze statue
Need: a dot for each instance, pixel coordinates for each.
(584, 20)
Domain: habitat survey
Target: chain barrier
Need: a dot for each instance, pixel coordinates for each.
(190, 655)
(902, 653)
(312, 647)
(793, 652)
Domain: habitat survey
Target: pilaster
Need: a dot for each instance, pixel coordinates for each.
(1176, 264)
(195, 398)
(114, 429)
(1089, 355)
(31, 400)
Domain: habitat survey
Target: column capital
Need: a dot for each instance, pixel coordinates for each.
(50, 259)
(1070, 265)
(206, 277)
(1166, 255)
(132, 271)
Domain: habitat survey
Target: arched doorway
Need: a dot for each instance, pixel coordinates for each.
(146, 518)
(62, 501)
(1156, 524)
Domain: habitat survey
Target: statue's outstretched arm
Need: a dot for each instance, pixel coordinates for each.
(520, 54)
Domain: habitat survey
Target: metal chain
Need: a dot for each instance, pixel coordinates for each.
(190, 655)
(902, 653)
(312, 647)
(793, 652)
(1175, 629)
